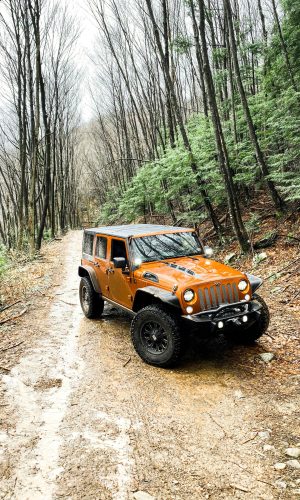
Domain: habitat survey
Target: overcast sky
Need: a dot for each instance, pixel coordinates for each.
(86, 45)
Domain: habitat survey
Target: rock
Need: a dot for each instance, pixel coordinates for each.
(260, 257)
(293, 463)
(238, 394)
(142, 495)
(267, 356)
(281, 484)
(229, 257)
(293, 452)
(296, 492)
(267, 241)
(268, 447)
(279, 466)
(264, 434)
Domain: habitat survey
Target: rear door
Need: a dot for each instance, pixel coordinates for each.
(101, 263)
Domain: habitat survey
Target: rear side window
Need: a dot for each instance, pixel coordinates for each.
(101, 247)
(87, 246)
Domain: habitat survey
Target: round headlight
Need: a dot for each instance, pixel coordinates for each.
(242, 285)
(188, 295)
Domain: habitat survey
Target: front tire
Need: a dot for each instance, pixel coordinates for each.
(91, 302)
(255, 331)
(156, 336)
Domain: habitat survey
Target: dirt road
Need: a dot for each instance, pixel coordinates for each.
(84, 417)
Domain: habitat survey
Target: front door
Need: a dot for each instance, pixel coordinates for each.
(119, 281)
(101, 264)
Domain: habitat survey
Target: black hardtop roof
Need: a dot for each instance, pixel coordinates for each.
(134, 229)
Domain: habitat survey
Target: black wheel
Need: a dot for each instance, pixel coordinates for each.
(255, 331)
(156, 336)
(91, 302)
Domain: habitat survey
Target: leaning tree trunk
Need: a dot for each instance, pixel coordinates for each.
(278, 202)
(171, 89)
(233, 204)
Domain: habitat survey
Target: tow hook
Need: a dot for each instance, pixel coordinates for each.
(236, 321)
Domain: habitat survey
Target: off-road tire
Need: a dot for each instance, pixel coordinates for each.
(166, 321)
(91, 302)
(255, 331)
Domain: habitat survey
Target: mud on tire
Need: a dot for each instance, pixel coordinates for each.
(91, 302)
(156, 336)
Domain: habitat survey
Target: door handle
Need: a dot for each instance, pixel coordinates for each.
(96, 264)
(110, 270)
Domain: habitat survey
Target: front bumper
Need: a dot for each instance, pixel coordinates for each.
(228, 315)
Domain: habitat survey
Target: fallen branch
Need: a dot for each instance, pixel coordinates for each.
(265, 482)
(217, 423)
(295, 296)
(269, 335)
(289, 237)
(68, 303)
(238, 465)
(250, 439)
(251, 474)
(241, 488)
(12, 346)
(12, 318)
(128, 361)
(9, 305)
(283, 268)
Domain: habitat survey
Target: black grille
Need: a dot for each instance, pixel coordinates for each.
(216, 295)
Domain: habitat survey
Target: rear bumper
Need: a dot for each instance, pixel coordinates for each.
(226, 317)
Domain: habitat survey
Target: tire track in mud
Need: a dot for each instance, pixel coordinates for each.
(38, 389)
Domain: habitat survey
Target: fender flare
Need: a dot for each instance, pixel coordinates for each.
(163, 295)
(90, 272)
(255, 282)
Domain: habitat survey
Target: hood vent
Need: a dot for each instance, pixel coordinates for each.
(151, 277)
(181, 268)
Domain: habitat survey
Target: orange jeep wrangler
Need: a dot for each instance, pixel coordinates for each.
(165, 278)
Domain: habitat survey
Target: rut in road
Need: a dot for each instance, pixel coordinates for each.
(39, 388)
(89, 427)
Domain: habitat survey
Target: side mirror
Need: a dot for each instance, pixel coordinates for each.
(119, 262)
(208, 252)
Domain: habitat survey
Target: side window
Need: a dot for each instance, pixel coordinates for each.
(87, 246)
(118, 249)
(101, 247)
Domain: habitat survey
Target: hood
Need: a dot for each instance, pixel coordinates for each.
(190, 270)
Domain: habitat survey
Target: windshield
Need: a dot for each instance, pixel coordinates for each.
(165, 246)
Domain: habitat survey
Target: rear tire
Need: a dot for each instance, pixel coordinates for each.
(255, 331)
(156, 336)
(91, 302)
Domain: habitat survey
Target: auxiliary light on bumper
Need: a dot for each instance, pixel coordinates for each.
(226, 317)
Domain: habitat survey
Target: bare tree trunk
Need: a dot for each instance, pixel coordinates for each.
(284, 47)
(35, 16)
(278, 202)
(233, 205)
(206, 200)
